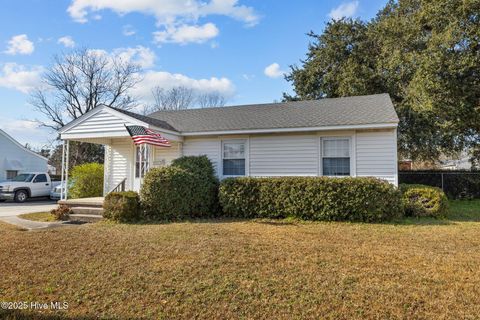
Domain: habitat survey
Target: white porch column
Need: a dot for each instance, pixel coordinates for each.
(63, 171)
(66, 169)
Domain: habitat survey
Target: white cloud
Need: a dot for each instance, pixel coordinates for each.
(165, 11)
(167, 80)
(26, 131)
(273, 71)
(128, 30)
(177, 19)
(19, 77)
(20, 44)
(185, 34)
(347, 10)
(67, 41)
(142, 56)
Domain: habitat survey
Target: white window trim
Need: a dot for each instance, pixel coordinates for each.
(351, 139)
(247, 157)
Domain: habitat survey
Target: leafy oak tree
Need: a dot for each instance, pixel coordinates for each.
(425, 54)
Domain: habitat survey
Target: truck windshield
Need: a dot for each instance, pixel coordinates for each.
(24, 177)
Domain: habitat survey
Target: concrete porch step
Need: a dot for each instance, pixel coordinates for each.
(77, 217)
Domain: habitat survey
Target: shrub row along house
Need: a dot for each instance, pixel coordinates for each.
(352, 136)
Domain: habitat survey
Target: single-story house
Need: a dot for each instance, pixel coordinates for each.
(15, 158)
(352, 136)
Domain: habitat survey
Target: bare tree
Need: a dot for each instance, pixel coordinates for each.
(179, 98)
(176, 98)
(80, 81)
(210, 100)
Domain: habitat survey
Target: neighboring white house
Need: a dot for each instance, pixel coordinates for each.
(353, 136)
(15, 158)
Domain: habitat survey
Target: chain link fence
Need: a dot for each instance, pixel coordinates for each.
(459, 184)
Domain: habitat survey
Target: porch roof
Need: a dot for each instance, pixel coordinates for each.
(103, 124)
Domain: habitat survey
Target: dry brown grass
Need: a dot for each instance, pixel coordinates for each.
(235, 269)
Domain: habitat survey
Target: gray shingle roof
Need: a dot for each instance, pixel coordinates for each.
(155, 122)
(371, 109)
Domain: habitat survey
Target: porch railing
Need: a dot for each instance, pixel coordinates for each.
(120, 187)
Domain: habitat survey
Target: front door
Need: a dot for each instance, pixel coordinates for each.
(142, 164)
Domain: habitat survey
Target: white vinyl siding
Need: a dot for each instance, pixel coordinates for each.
(120, 163)
(211, 147)
(377, 154)
(103, 121)
(372, 154)
(283, 155)
(163, 156)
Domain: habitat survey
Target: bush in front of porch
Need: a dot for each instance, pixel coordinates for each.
(186, 189)
(87, 181)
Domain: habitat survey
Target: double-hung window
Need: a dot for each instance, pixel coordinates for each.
(336, 156)
(234, 158)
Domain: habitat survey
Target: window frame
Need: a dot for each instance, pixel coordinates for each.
(246, 157)
(350, 155)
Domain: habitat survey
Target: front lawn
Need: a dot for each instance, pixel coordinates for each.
(38, 216)
(250, 269)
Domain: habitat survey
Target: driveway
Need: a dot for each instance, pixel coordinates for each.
(8, 209)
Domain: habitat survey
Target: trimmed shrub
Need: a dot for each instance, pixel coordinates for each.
(167, 194)
(122, 206)
(206, 184)
(87, 181)
(424, 201)
(186, 189)
(62, 212)
(311, 198)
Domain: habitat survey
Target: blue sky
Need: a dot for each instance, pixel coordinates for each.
(238, 48)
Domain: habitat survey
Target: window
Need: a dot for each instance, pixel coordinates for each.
(11, 174)
(336, 156)
(234, 158)
(141, 153)
(40, 178)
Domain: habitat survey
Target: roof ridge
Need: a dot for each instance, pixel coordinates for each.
(265, 104)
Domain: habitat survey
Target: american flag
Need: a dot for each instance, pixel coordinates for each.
(141, 135)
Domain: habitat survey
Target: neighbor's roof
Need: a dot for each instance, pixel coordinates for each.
(359, 110)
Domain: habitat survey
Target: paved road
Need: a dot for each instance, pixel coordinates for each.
(8, 209)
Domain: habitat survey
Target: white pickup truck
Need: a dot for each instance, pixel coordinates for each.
(27, 185)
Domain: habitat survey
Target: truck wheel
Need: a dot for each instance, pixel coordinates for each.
(21, 196)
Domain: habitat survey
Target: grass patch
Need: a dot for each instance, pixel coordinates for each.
(247, 269)
(38, 216)
(464, 210)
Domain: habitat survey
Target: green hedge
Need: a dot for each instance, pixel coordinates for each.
(206, 182)
(122, 206)
(186, 189)
(424, 201)
(311, 198)
(87, 181)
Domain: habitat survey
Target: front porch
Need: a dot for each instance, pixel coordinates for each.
(85, 209)
(125, 163)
